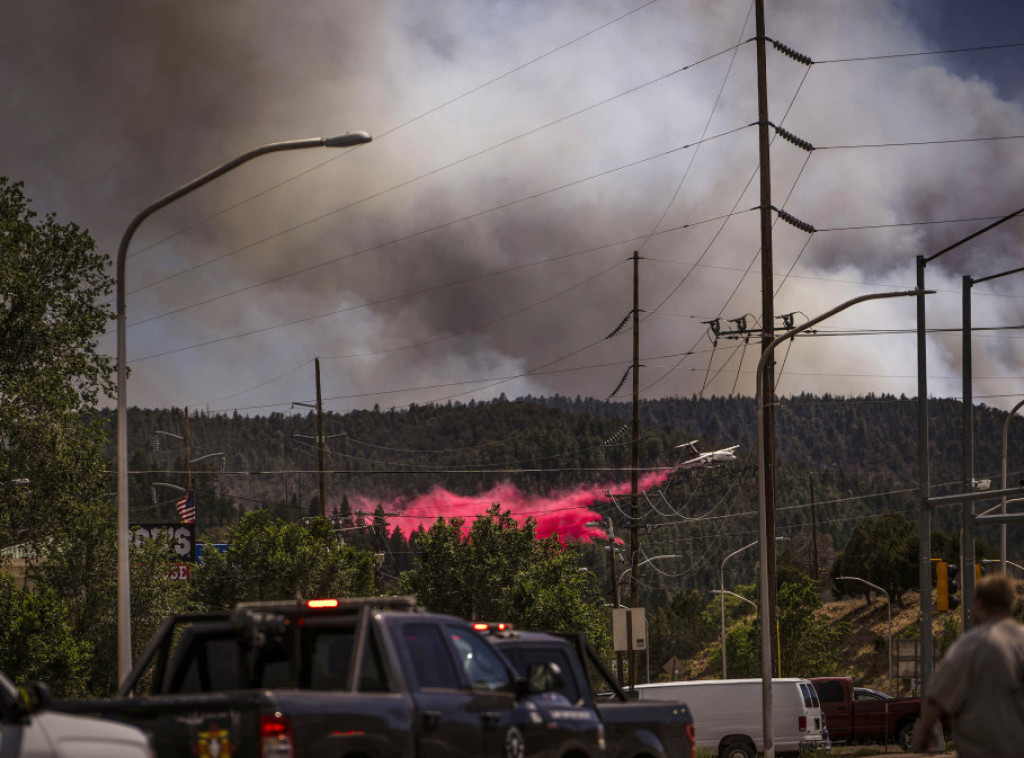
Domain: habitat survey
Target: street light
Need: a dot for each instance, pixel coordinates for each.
(646, 560)
(124, 629)
(888, 601)
(737, 595)
(768, 571)
(721, 577)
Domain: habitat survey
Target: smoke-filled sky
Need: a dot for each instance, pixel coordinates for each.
(523, 150)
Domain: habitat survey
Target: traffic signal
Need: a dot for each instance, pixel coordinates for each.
(946, 586)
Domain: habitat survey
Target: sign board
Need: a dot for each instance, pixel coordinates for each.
(627, 623)
(182, 536)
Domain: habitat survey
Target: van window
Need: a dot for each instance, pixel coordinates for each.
(830, 692)
(810, 698)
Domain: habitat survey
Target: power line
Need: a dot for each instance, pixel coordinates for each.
(413, 120)
(927, 52)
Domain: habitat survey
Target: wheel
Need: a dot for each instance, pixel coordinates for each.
(905, 736)
(737, 750)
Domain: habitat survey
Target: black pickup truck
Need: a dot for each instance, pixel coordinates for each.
(370, 677)
(632, 729)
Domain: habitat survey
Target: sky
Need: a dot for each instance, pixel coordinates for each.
(523, 150)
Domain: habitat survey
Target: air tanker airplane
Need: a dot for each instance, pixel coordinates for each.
(697, 459)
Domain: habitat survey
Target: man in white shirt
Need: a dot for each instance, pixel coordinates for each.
(979, 684)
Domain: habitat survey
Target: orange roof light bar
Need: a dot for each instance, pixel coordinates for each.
(323, 603)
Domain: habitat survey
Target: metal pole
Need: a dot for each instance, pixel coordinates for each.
(320, 443)
(763, 540)
(722, 598)
(924, 521)
(967, 507)
(634, 507)
(888, 602)
(814, 531)
(124, 627)
(188, 457)
(1002, 527)
(767, 312)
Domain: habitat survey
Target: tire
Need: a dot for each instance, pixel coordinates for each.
(737, 750)
(905, 736)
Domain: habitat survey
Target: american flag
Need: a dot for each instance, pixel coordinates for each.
(187, 507)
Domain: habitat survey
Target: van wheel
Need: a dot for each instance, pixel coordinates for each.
(737, 750)
(905, 735)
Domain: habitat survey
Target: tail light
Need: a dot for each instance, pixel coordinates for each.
(803, 723)
(691, 735)
(275, 736)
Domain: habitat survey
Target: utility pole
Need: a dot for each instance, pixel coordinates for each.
(767, 317)
(320, 442)
(967, 507)
(814, 530)
(634, 495)
(188, 456)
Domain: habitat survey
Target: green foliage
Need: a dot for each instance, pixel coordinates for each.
(883, 551)
(499, 571)
(683, 626)
(38, 642)
(810, 642)
(271, 559)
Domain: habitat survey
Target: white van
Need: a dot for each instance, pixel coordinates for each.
(727, 714)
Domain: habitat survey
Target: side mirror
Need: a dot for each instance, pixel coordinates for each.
(35, 696)
(544, 677)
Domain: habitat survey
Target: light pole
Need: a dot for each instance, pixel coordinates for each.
(1002, 527)
(124, 628)
(768, 571)
(888, 601)
(723, 593)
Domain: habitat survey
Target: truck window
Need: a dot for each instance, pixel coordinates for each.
(211, 664)
(330, 659)
(432, 664)
(830, 692)
(482, 666)
(525, 657)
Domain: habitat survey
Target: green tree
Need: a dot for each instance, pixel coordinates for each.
(499, 571)
(883, 551)
(38, 642)
(682, 627)
(52, 481)
(272, 559)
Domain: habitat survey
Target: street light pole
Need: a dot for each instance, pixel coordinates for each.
(888, 601)
(723, 593)
(767, 571)
(124, 631)
(1002, 527)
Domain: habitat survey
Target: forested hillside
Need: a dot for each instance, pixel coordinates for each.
(858, 454)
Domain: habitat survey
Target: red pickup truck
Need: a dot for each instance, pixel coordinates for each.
(859, 714)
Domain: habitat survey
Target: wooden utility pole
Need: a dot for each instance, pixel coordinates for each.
(814, 529)
(634, 502)
(767, 306)
(188, 456)
(320, 442)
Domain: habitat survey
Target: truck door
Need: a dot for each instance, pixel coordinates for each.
(447, 719)
(492, 687)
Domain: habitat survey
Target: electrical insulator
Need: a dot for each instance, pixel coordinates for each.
(790, 137)
(791, 53)
(791, 219)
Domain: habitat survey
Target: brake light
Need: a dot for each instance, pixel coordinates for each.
(492, 626)
(275, 736)
(691, 735)
(324, 603)
(803, 723)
